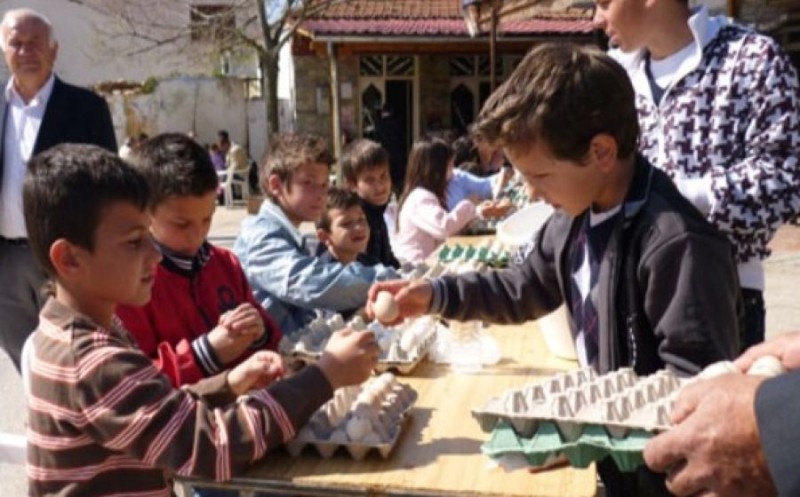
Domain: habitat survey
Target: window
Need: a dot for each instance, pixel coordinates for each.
(386, 65)
(211, 22)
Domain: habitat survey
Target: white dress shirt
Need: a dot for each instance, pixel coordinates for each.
(22, 127)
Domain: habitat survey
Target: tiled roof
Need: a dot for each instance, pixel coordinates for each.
(444, 27)
(410, 18)
(404, 9)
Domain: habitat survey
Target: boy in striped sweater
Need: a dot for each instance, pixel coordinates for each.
(102, 419)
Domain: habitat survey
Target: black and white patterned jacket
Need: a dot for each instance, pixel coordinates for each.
(730, 122)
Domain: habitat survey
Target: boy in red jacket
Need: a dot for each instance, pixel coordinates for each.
(202, 317)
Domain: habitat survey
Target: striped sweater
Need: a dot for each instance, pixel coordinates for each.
(102, 420)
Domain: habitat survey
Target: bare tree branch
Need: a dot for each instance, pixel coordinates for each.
(136, 27)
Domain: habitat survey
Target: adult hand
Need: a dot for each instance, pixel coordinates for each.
(714, 449)
(413, 298)
(785, 347)
(349, 357)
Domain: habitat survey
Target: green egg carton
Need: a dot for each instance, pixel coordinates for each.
(594, 444)
(469, 253)
(450, 253)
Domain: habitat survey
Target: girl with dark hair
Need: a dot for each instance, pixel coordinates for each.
(424, 221)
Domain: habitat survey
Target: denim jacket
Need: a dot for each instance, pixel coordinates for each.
(289, 282)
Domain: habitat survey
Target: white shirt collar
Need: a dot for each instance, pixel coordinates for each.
(704, 29)
(39, 100)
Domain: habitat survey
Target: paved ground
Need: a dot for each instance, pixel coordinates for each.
(783, 314)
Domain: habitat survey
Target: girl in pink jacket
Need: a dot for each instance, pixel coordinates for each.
(424, 221)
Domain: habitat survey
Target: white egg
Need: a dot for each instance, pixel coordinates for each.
(718, 369)
(358, 427)
(385, 307)
(766, 366)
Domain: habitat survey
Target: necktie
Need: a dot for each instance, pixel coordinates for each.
(584, 280)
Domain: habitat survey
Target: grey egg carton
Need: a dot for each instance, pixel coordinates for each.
(309, 342)
(359, 419)
(619, 401)
(403, 347)
(418, 270)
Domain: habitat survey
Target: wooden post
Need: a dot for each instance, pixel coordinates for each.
(493, 46)
(336, 111)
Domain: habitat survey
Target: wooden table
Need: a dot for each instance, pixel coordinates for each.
(438, 453)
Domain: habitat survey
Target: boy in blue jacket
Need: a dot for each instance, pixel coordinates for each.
(286, 278)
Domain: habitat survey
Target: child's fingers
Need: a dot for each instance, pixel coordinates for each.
(391, 286)
(247, 326)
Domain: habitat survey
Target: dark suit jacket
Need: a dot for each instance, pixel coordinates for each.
(73, 115)
(777, 407)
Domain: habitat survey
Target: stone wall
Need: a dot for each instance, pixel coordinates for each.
(205, 104)
(763, 12)
(434, 92)
(313, 104)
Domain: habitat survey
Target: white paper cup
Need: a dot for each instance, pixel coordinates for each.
(521, 226)
(557, 334)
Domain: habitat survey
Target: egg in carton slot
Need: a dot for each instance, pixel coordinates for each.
(403, 346)
(308, 343)
(359, 418)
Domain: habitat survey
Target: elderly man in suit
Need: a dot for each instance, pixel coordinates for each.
(38, 112)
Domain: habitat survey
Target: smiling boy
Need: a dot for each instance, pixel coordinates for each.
(290, 282)
(343, 230)
(365, 167)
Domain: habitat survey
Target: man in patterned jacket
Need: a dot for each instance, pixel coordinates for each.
(719, 109)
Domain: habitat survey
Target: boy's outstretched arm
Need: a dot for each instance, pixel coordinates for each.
(278, 268)
(123, 403)
(257, 371)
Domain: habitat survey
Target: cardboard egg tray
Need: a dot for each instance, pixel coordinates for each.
(403, 347)
(580, 415)
(547, 445)
(359, 419)
(619, 402)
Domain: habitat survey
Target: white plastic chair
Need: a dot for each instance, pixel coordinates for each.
(232, 183)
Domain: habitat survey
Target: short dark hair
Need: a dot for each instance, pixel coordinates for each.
(465, 152)
(223, 135)
(338, 198)
(362, 155)
(289, 152)
(174, 164)
(66, 190)
(564, 94)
